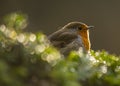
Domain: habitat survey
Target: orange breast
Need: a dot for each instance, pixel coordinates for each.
(85, 39)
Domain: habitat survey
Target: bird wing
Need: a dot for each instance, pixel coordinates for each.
(62, 37)
(55, 35)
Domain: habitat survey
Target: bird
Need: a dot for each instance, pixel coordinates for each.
(71, 37)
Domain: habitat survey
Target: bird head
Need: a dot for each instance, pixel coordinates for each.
(79, 26)
(82, 30)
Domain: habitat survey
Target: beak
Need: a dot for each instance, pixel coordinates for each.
(90, 27)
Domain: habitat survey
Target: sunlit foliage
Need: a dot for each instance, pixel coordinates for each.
(28, 59)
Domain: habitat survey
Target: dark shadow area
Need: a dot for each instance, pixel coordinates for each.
(48, 16)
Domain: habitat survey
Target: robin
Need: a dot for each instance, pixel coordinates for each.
(71, 37)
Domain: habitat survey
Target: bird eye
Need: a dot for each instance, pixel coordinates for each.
(79, 28)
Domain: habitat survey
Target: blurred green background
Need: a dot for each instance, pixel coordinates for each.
(49, 15)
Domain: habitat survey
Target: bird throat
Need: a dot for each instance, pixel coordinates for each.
(85, 39)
